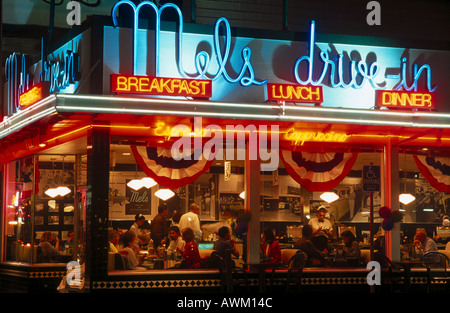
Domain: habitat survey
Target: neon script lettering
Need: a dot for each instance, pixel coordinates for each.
(360, 72)
(246, 76)
(300, 137)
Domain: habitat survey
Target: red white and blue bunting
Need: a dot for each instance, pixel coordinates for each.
(318, 171)
(436, 170)
(158, 163)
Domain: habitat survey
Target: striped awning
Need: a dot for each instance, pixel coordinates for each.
(317, 171)
(169, 172)
(436, 171)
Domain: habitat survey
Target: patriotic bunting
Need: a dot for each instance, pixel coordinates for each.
(159, 164)
(318, 171)
(436, 170)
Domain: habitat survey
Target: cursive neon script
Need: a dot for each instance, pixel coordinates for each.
(365, 71)
(246, 76)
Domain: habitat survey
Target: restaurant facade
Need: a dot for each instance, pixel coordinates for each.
(255, 130)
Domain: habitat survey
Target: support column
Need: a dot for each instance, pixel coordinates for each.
(252, 203)
(97, 209)
(392, 188)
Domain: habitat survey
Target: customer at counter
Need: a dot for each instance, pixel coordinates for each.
(50, 253)
(191, 255)
(423, 243)
(176, 245)
(351, 246)
(270, 248)
(225, 243)
(113, 237)
(158, 227)
(314, 256)
(128, 241)
(321, 225)
(191, 220)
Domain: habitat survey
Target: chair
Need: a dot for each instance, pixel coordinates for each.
(286, 255)
(237, 276)
(295, 270)
(436, 264)
(217, 262)
(119, 262)
(390, 273)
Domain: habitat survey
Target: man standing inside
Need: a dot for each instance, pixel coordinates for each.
(321, 225)
(191, 220)
(159, 227)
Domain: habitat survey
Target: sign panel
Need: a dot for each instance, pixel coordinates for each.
(36, 93)
(294, 93)
(404, 100)
(371, 178)
(164, 86)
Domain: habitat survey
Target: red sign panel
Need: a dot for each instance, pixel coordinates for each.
(294, 93)
(164, 86)
(404, 100)
(34, 94)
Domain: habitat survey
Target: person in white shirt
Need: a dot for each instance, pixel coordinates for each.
(139, 220)
(320, 224)
(176, 242)
(191, 220)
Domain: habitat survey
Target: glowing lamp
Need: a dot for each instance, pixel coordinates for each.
(242, 195)
(329, 197)
(406, 198)
(59, 191)
(137, 184)
(164, 194)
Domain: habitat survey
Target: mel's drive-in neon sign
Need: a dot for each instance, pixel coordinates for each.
(313, 69)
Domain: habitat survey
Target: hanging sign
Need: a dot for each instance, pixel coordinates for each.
(371, 178)
(164, 86)
(294, 93)
(36, 93)
(404, 100)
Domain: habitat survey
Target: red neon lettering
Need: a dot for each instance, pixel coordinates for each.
(399, 99)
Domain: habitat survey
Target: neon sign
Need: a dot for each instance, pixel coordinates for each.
(36, 93)
(131, 84)
(299, 137)
(358, 71)
(59, 75)
(294, 93)
(246, 76)
(401, 100)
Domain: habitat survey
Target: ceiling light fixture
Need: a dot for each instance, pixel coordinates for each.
(329, 197)
(164, 194)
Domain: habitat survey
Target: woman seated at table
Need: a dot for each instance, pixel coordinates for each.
(50, 253)
(129, 241)
(351, 247)
(191, 255)
(270, 249)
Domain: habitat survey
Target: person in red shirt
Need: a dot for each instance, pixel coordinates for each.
(270, 248)
(191, 256)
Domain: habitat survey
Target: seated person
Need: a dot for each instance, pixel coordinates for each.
(351, 247)
(191, 255)
(270, 248)
(50, 253)
(176, 242)
(424, 244)
(128, 241)
(314, 256)
(225, 243)
(113, 237)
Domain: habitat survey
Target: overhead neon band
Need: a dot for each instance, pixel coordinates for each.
(131, 84)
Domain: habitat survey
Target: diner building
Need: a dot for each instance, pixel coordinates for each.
(131, 111)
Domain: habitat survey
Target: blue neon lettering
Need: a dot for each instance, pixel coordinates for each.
(403, 84)
(202, 59)
(355, 69)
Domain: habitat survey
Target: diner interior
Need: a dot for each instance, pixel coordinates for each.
(285, 206)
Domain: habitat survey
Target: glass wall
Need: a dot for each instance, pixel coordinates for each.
(45, 203)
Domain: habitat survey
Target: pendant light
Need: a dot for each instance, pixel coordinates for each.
(164, 194)
(329, 197)
(60, 190)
